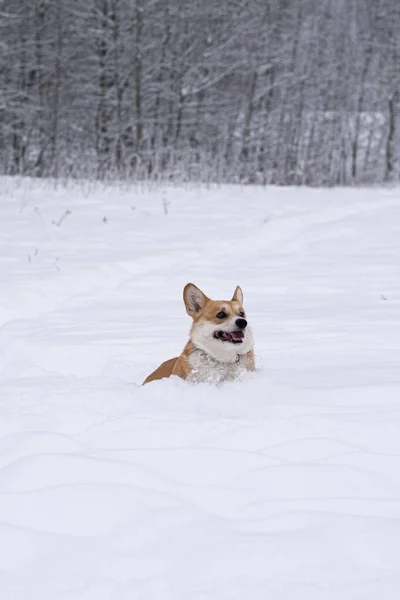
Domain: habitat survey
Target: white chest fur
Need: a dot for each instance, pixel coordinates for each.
(206, 369)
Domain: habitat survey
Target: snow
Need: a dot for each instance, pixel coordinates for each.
(284, 485)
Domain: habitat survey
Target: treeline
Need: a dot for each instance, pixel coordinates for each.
(269, 91)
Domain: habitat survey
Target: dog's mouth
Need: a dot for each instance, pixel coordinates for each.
(234, 337)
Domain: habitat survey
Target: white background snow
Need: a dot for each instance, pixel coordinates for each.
(285, 485)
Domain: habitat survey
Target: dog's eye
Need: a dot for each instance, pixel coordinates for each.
(221, 315)
(241, 314)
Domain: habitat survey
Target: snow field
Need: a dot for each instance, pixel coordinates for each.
(283, 485)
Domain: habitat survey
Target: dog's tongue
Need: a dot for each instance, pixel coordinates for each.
(237, 335)
(229, 336)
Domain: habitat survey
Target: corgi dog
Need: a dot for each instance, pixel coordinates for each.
(220, 345)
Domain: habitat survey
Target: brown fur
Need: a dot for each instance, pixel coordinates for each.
(164, 370)
(207, 310)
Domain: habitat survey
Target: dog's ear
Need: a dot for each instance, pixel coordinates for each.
(194, 299)
(238, 295)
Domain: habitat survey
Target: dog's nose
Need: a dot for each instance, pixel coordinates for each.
(241, 323)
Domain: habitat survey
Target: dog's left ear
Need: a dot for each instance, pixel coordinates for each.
(238, 295)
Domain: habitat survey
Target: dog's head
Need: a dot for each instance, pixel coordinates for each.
(220, 327)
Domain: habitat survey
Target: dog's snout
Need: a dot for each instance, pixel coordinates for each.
(241, 323)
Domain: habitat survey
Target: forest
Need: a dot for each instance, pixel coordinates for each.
(284, 92)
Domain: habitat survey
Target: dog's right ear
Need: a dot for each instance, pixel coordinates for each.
(194, 299)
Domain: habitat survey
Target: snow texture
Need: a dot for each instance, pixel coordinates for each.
(284, 485)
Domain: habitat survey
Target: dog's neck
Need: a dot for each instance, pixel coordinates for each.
(210, 358)
(207, 369)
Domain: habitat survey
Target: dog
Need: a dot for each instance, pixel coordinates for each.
(220, 346)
